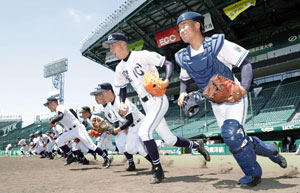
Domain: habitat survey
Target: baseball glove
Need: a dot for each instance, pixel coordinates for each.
(153, 84)
(107, 127)
(94, 133)
(52, 124)
(221, 89)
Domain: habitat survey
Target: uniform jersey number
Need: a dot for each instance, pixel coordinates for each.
(137, 71)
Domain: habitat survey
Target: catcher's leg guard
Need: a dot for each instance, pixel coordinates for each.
(242, 149)
(268, 150)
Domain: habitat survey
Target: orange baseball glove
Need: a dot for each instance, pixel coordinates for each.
(93, 133)
(153, 84)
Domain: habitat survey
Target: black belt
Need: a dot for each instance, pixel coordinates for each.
(135, 123)
(145, 99)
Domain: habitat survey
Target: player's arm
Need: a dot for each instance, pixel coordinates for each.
(246, 74)
(58, 117)
(129, 121)
(184, 85)
(169, 68)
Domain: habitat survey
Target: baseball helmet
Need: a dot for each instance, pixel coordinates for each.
(191, 104)
(38, 132)
(190, 15)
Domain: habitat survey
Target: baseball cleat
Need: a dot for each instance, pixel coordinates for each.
(70, 160)
(85, 162)
(283, 162)
(131, 167)
(107, 163)
(201, 149)
(254, 181)
(158, 175)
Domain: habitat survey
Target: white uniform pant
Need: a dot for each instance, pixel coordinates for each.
(79, 146)
(106, 142)
(49, 146)
(78, 132)
(39, 148)
(24, 148)
(237, 111)
(156, 108)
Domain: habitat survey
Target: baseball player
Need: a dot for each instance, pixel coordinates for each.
(127, 139)
(204, 61)
(23, 145)
(46, 142)
(103, 141)
(7, 150)
(74, 130)
(131, 69)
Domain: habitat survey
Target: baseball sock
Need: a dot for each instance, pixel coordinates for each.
(152, 151)
(101, 153)
(22, 152)
(67, 150)
(105, 151)
(129, 157)
(182, 142)
(78, 153)
(147, 157)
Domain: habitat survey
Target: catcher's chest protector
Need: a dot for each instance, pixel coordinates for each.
(202, 67)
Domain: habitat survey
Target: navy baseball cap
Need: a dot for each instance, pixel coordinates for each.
(114, 37)
(190, 15)
(50, 99)
(86, 109)
(102, 87)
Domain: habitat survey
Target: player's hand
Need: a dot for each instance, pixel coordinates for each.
(181, 98)
(126, 131)
(117, 130)
(165, 83)
(123, 109)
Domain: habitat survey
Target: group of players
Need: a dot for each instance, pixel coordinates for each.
(200, 61)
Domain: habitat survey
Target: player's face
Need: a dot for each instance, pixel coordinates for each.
(101, 98)
(117, 50)
(86, 115)
(52, 106)
(187, 30)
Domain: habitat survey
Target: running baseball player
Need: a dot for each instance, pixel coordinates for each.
(132, 69)
(127, 139)
(7, 150)
(104, 140)
(208, 62)
(74, 130)
(24, 147)
(46, 142)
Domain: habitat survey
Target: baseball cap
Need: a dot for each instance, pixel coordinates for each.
(85, 109)
(102, 87)
(50, 99)
(190, 15)
(114, 37)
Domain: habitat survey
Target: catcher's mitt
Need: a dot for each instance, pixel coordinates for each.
(153, 84)
(107, 127)
(221, 89)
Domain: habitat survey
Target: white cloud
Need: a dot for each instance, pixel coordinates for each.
(75, 16)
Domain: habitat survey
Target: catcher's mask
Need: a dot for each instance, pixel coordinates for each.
(191, 104)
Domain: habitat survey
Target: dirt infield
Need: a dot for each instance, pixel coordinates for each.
(184, 174)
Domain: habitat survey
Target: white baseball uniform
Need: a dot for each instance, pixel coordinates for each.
(132, 71)
(105, 140)
(23, 145)
(37, 145)
(232, 55)
(7, 149)
(57, 130)
(45, 140)
(74, 129)
(132, 141)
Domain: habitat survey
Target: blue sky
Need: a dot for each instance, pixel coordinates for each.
(34, 33)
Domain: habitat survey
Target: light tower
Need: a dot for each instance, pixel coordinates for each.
(56, 70)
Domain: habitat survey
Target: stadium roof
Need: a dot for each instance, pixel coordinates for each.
(253, 27)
